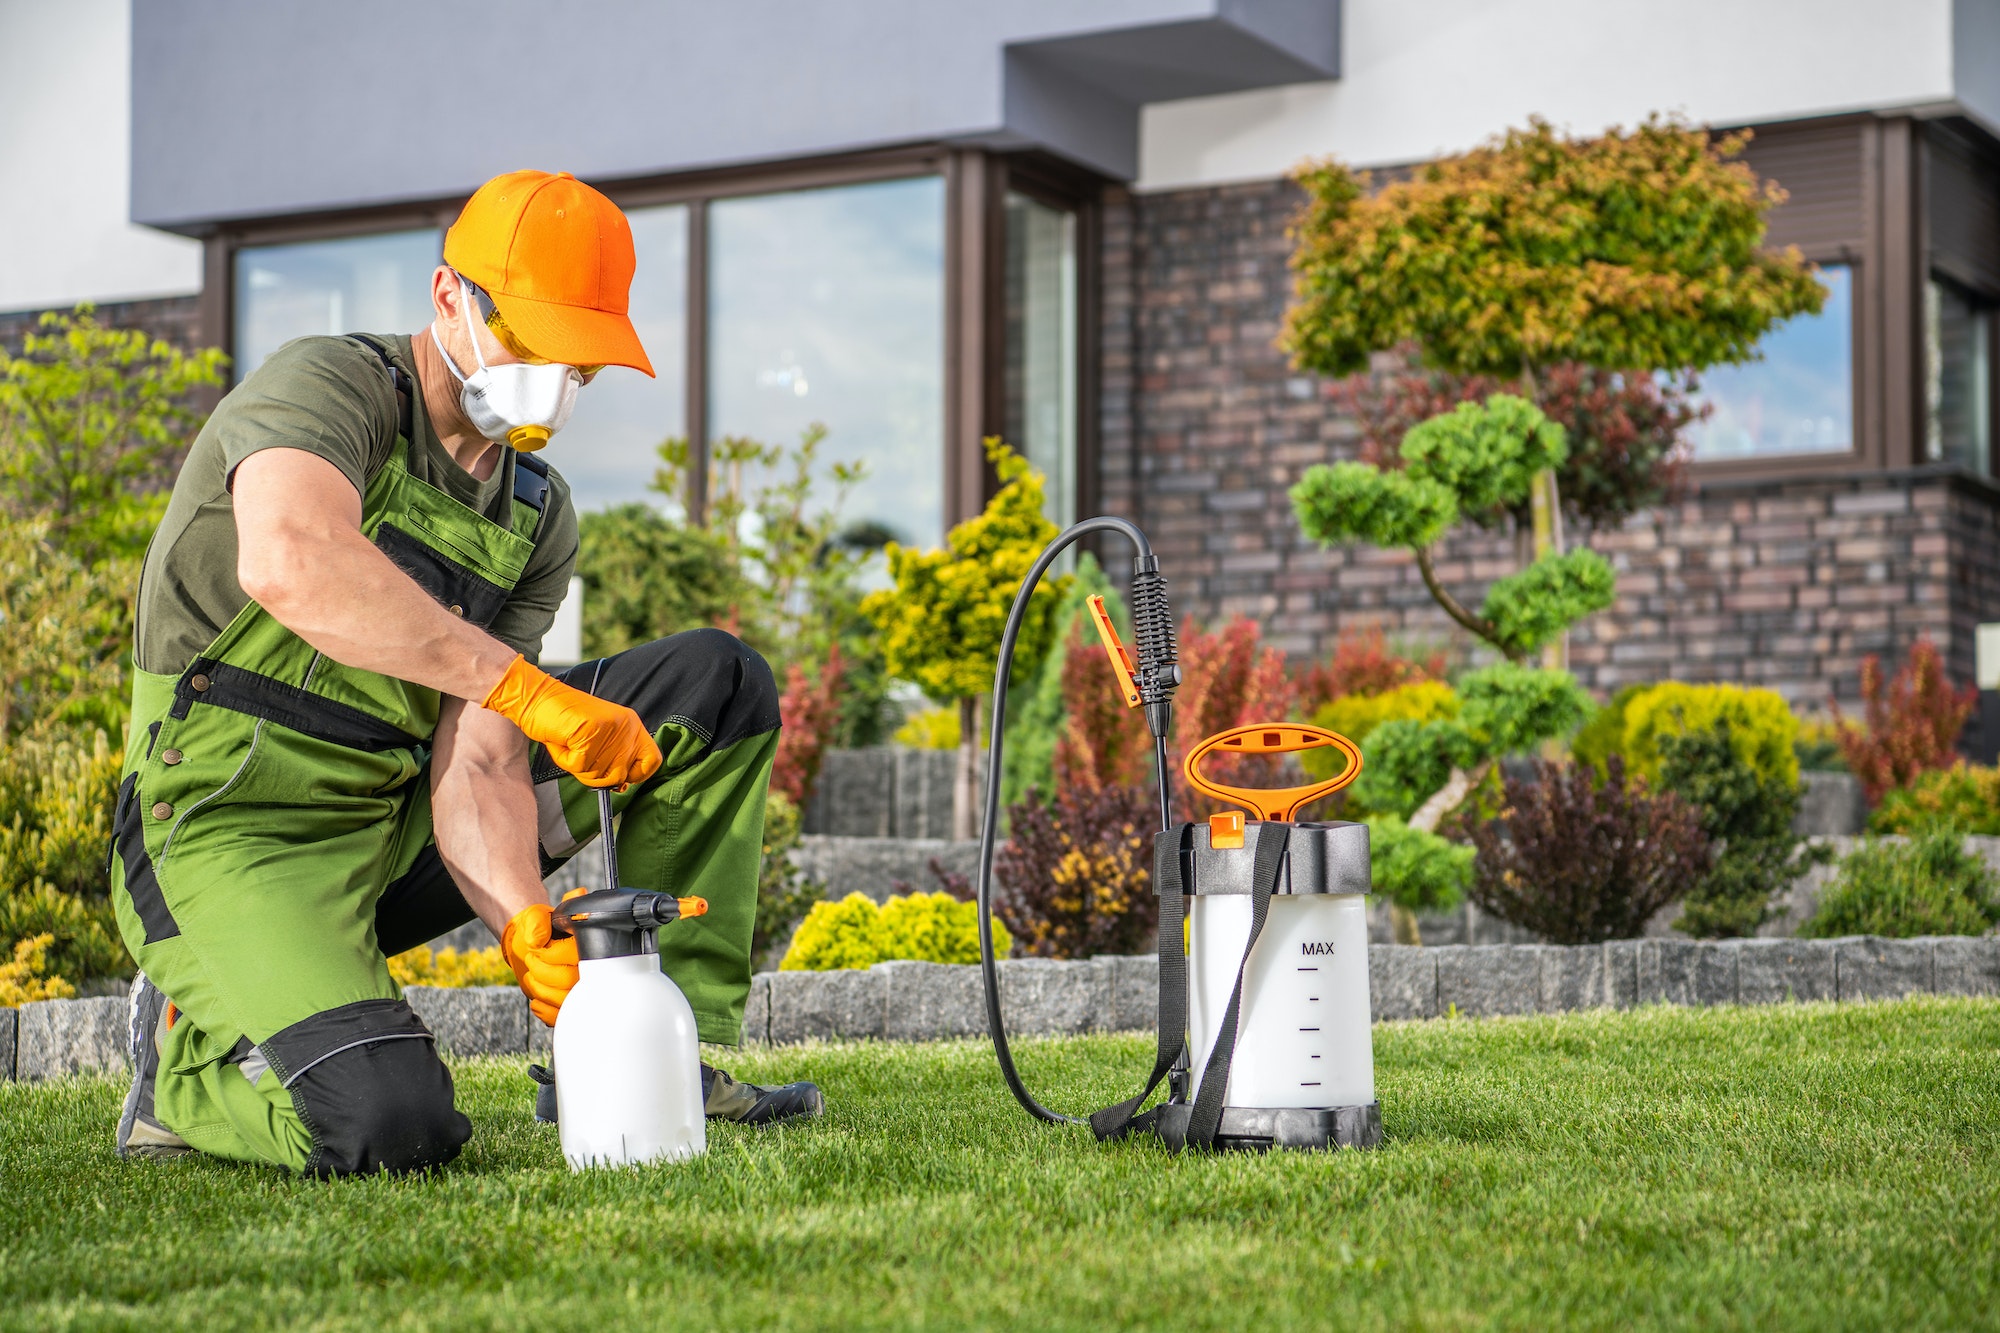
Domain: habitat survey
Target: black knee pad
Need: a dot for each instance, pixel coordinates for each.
(707, 679)
(367, 1083)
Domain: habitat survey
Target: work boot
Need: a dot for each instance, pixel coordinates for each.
(140, 1135)
(723, 1098)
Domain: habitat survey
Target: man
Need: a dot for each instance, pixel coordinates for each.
(341, 746)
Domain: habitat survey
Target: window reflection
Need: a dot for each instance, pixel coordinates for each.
(1040, 370)
(359, 284)
(607, 451)
(828, 305)
(1958, 369)
(1799, 398)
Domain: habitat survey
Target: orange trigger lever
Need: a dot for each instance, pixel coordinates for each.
(1122, 665)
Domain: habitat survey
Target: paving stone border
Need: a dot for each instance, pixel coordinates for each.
(929, 1001)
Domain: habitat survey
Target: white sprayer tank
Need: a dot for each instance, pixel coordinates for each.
(1302, 1034)
(627, 1067)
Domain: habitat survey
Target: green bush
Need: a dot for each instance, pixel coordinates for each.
(784, 894)
(855, 933)
(1356, 716)
(1931, 886)
(1604, 734)
(645, 577)
(1747, 815)
(1964, 798)
(1418, 871)
(1761, 726)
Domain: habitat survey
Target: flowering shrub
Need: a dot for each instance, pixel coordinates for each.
(1578, 860)
(451, 967)
(855, 933)
(1913, 721)
(929, 729)
(1964, 798)
(1075, 879)
(26, 977)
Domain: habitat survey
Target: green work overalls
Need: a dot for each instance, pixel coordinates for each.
(271, 796)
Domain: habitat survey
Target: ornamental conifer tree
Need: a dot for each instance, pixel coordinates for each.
(942, 620)
(1639, 251)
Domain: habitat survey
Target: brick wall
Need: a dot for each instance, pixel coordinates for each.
(1205, 427)
(174, 318)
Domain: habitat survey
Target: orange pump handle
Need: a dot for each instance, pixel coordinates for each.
(1272, 738)
(1122, 665)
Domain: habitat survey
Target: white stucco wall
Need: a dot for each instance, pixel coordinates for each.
(1421, 78)
(65, 144)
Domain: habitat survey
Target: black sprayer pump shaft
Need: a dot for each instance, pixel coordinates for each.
(1157, 675)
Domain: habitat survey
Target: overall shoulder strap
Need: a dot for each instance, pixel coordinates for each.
(399, 379)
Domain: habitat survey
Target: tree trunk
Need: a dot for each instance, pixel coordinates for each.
(965, 780)
(1545, 506)
(1403, 925)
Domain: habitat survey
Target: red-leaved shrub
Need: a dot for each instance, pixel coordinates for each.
(1362, 663)
(1102, 742)
(1577, 861)
(810, 710)
(1913, 721)
(1075, 877)
(1229, 678)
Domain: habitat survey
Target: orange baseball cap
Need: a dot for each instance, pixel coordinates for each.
(556, 257)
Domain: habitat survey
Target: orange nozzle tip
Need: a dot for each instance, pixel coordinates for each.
(693, 906)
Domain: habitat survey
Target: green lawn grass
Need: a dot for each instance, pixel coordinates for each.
(1783, 1167)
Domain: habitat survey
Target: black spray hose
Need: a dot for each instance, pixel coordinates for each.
(1157, 675)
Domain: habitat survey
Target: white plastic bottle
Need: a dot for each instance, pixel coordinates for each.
(627, 1057)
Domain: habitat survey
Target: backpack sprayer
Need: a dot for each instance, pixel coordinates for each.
(1270, 1001)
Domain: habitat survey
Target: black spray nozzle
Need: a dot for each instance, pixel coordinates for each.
(617, 923)
(1159, 669)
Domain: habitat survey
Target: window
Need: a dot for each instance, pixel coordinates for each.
(1040, 349)
(1799, 398)
(828, 306)
(1958, 366)
(607, 452)
(358, 284)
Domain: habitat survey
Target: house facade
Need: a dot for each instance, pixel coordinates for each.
(1065, 224)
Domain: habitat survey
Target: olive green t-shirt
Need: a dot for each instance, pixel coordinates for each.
(331, 397)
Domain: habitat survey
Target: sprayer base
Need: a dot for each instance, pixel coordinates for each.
(1258, 1129)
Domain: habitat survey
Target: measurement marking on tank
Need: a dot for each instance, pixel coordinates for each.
(1308, 1029)
(1308, 969)
(1314, 1057)
(1309, 1085)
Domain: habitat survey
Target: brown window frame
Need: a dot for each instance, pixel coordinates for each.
(976, 182)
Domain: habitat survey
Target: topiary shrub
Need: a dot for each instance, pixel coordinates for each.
(1578, 860)
(855, 933)
(1761, 726)
(1930, 886)
(1416, 870)
(1355, 716)
(1964, 798)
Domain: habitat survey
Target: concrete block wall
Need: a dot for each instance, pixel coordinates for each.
(1205, 426)
(909, 1001)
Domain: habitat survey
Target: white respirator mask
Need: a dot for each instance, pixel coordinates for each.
(518, 404)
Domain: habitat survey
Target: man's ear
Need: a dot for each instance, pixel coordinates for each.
(447, 296)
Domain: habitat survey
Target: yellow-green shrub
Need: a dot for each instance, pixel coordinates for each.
(1762, 727)
(1356, 715)
(1964, 798)
(27, 978)
(930, 729)
(451, 967)
(855, 933)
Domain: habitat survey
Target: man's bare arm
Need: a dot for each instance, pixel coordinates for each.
(301, 556)
(483, 807)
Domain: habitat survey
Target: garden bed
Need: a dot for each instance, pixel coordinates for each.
(1808, 1166)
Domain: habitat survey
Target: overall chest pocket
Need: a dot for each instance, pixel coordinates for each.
(458, 587)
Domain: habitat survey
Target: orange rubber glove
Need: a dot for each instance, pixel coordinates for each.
(544, 963)
(604, 744)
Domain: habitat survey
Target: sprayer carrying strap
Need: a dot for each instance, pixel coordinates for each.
(1272, 838)
(1115, 1122)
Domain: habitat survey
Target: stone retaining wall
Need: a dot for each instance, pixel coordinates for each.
(929, 1001)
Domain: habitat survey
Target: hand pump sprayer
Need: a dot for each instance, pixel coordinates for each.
(1270, 1001)
(627, 1060)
